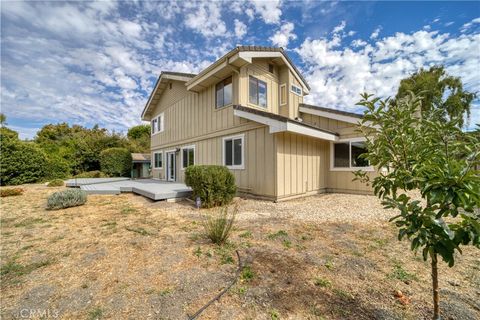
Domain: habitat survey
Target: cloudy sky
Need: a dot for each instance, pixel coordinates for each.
(96, 62)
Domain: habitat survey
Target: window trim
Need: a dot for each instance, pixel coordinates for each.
(296, 87)
(258, 97)
(154, 162)
(349, 168)
(234, 167)
(159, 118)
(181, 156)
(225, 105)
(284, 85)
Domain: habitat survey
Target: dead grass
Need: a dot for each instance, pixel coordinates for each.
(127, 257)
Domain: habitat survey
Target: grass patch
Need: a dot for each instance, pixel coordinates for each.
(128, 210)
(13, 269)
(139, 230)
(342, 294)
(287, 244)
(197, 252)
(109, 224)
(246, 234)
(401, 274)
(329, 264)
(322, 283)
(274, 314)
(95, 313)
(278, 234)
(28, 222)
(247, 274)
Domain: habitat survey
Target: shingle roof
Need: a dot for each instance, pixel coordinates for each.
(279, 118)
(343, 113)
(141, 157)
(181, 74)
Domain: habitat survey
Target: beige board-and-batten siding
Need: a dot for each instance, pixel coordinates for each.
(258, 175)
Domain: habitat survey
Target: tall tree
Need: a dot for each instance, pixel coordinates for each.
(139, 136)
(440, 92)
(3, 119)
(434, 157)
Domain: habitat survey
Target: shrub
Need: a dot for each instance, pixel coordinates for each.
(21, 162)
(215, 185)
(8, 192)
(116, 162)
(219, 224)
(57, 168)
(91, 174)
(55, 183)
(66, 199)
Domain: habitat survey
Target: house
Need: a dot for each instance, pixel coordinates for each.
(246, 111)
(140, 165)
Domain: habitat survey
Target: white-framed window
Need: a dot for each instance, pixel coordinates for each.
(345, 155)
(223, 93)
(296, 89)
(283, 94)
(158, 160)
(234, 152)
(188, 156)
(257, 92)
(158, 124)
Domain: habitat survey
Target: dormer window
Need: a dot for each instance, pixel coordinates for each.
(296, 89)
(223, 91)
(257, 92)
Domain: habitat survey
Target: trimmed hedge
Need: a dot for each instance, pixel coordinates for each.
(21, 162)
(215, 185)
(57, 168)
(9, 192)
(55, 183)
(66, 199)
(116, 162)
(91, 174)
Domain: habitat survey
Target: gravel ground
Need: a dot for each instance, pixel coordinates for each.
(322, 208)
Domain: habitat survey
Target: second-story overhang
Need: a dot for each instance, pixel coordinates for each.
(238, 57)
(278, 123)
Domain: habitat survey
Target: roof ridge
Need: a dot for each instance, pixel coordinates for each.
(342, 112)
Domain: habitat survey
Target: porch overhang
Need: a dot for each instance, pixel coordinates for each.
(277, 123)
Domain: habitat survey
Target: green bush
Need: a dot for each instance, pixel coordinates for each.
(66, 199)
(8, 192)
(219, 225)
(116, 162)
(20, 162)
(215, 185)
(91, 174)
(57, 168)
(55, 183)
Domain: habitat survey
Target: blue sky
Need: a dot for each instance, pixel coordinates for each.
(96, 62)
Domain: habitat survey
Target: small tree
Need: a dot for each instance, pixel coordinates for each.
(116, 162)
(434, 157)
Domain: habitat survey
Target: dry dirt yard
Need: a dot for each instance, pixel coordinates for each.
(125, 257)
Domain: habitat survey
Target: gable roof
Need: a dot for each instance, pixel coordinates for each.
(278, 123)
(258, 51)
(158, 88)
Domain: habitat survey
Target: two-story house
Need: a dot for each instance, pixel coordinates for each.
(246, 112)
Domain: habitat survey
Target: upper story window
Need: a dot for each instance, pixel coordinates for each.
(158, 123)
(296, 89)
(283, 94)
(257, 92)
(346, 155)
(223, 91)
(188, 156)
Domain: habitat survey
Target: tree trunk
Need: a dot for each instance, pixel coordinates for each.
(436, 311)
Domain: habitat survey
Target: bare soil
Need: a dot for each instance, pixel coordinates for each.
(126, 257)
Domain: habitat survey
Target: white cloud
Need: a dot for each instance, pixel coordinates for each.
(375, 33)
(340, 27)
(269, 10)
(282, 37)
(470, 24)
(240, 29)
(206, 19)
(338, 75)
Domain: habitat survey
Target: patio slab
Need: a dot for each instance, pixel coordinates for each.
(150, 188)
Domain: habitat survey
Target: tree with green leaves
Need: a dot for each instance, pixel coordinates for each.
(139, 137)
(3, 119)
(441, 93)
(434, 158)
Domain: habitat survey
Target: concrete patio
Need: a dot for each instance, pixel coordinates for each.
(150, 188)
